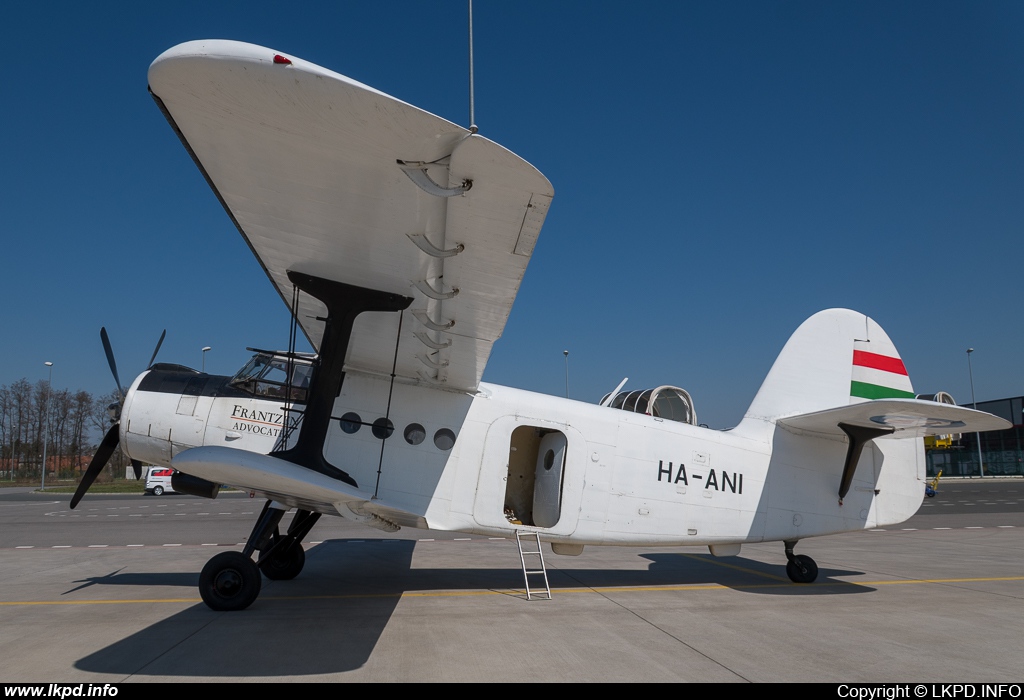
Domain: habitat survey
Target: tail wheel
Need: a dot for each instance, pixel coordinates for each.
(801, 569)
(229, 581)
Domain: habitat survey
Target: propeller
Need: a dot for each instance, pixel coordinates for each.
(156, 349)
(113, 436)
(110, 359)
(99, 460)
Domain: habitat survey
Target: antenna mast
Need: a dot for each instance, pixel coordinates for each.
(472, 110)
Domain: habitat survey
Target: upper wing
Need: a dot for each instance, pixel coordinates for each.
(309, 165)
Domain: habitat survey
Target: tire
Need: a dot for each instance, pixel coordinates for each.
(802, 569)
(158, 490)
(285, 564)
(229, 581)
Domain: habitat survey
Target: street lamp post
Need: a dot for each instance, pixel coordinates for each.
(205, 350)
(974, 405)
(46, 413)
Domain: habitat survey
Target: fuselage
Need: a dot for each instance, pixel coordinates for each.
(504, 459)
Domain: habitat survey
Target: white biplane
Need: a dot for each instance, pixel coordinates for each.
(399, 240)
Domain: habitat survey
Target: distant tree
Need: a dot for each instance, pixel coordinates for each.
(78, 442)
(40, 409)
(6, 408)
(71, 423)
(23, 410)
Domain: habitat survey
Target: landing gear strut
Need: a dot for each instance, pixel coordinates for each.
(231, 580)
(799, 567)
(284, 558)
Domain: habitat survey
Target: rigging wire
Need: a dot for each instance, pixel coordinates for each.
(387, 413)
(286, 426)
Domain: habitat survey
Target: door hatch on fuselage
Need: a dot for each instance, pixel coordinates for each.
(536, 470)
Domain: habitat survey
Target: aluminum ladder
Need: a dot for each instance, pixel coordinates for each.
(527, 572)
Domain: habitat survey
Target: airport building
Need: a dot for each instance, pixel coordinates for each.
(1002, 451)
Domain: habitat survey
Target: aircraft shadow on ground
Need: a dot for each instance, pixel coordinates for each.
(331, 617)
(745, 575)
(116, 578)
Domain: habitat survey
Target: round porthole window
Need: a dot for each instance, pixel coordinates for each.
(444, 439)
(549, 460)
(382, 428)
(350, 422)
(415, 434)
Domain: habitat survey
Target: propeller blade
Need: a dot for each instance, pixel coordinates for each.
(158, 344)
(137, 467)
(99, 460)
(110, 361)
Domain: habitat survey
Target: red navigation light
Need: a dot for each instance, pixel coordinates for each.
(281, 60)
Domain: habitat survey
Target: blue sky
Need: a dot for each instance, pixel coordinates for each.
(722, 170)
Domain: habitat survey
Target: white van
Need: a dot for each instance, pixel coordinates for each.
(158, 481)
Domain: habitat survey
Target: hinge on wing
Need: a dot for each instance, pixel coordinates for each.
(422, 317)
(431, 343)
(430, 363)
(424, 244)
(438, 294)
(417, 172)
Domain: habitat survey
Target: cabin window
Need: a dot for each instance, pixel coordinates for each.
(350, 423)
(415, 434)
(382, 428)
(444, 439)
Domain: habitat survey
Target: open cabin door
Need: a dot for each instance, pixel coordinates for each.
(532, 476)
(547, 479)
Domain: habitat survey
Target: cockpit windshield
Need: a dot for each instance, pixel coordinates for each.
(266, 376)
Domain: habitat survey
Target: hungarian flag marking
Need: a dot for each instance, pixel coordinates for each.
(879, 377)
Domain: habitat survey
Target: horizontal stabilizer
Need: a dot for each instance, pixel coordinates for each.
(908, 418)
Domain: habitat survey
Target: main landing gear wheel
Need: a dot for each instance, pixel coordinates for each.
(801, 569)
(230, 581)
(284, 563)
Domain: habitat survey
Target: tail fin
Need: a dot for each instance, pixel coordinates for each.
(840, 380)
(835, 358)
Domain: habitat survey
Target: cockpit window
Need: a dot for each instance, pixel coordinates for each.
(266, 376)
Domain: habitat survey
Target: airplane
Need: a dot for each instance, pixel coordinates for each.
(399, 240)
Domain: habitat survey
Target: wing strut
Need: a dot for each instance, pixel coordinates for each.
(344, 303)
(859, 436)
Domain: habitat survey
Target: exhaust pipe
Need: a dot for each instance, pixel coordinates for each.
(194, 486)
